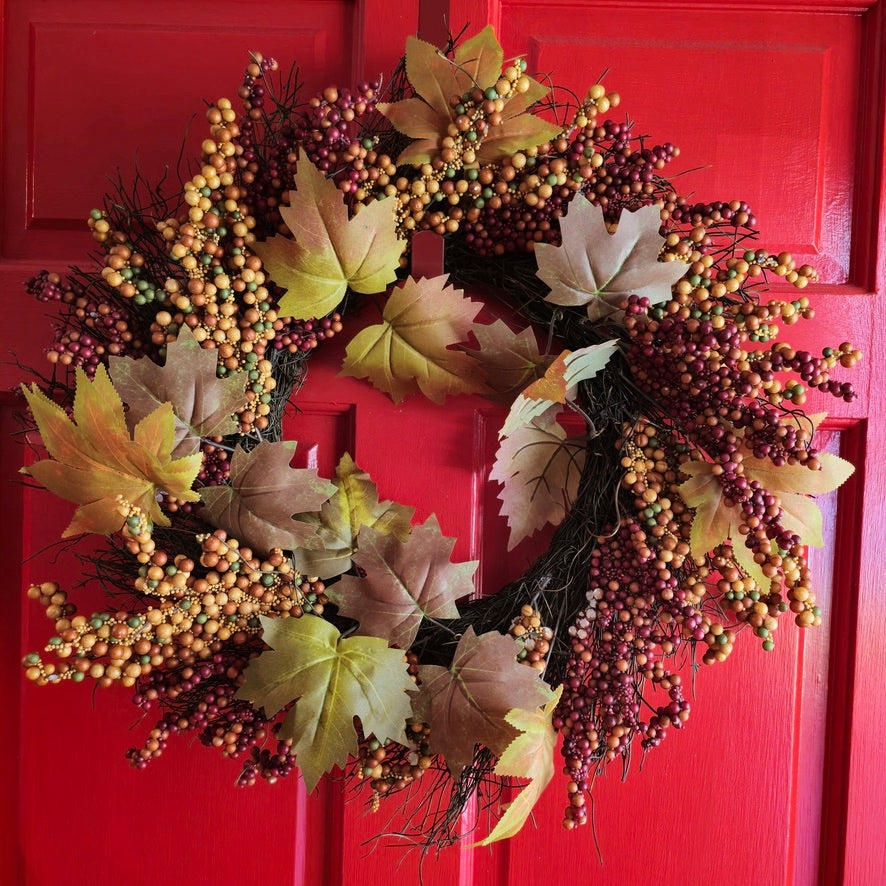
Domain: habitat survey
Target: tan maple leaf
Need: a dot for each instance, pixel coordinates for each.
(467, 703)
(264, 493)
(331, 679)
(539, 469)
(353, 507)
(595, 268)
(405, 582)
(330, 252)
(409, 351)
(436, 79)
(95, 461)
(202, 403)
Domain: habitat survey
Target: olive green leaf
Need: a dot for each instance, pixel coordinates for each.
(530, 755)
(331, 679)
(409, 351)
(354, 506)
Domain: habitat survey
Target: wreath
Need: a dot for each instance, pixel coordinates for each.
(291, 620)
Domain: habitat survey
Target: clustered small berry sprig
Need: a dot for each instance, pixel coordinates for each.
(682, 513)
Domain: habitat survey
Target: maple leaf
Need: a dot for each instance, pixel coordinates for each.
(595, 268)
(466, 703)
(409, 351)
(405, 582)
(202, 403)
(331, 679)
(95, 461)
(435, 79)
(557, 385)
(717, 520)
(530, 755)
(539, 469)
(330, 252)
(353, 506)
(510, 360)
(264, 493)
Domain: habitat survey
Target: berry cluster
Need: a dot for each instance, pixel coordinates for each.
(725, 406)
(90, 329)
(532, 636)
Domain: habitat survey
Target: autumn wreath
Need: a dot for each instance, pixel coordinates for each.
(295, 621)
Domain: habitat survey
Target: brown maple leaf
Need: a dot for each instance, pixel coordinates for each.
(405, 582)
(467, 703)
(510, 360)
(530, 755)
(203, 404)
(539, 468)
(264, 493)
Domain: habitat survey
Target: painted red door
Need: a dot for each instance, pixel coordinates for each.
(776, 779)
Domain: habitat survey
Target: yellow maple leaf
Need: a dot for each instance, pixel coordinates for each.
(717, 520)
(409, 350)
(477, 63)
(330, 252)
(95, 461)
(530, 755)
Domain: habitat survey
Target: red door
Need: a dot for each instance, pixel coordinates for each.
(776, 779)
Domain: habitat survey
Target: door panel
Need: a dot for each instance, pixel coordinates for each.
(775, 779)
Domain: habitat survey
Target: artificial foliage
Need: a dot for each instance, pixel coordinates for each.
(299, 623)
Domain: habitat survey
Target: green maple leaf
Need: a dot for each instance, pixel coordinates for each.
(405, 582)
(468, 702)
(530, 755)
(331, 679)
(355, 505)
(203, 403)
